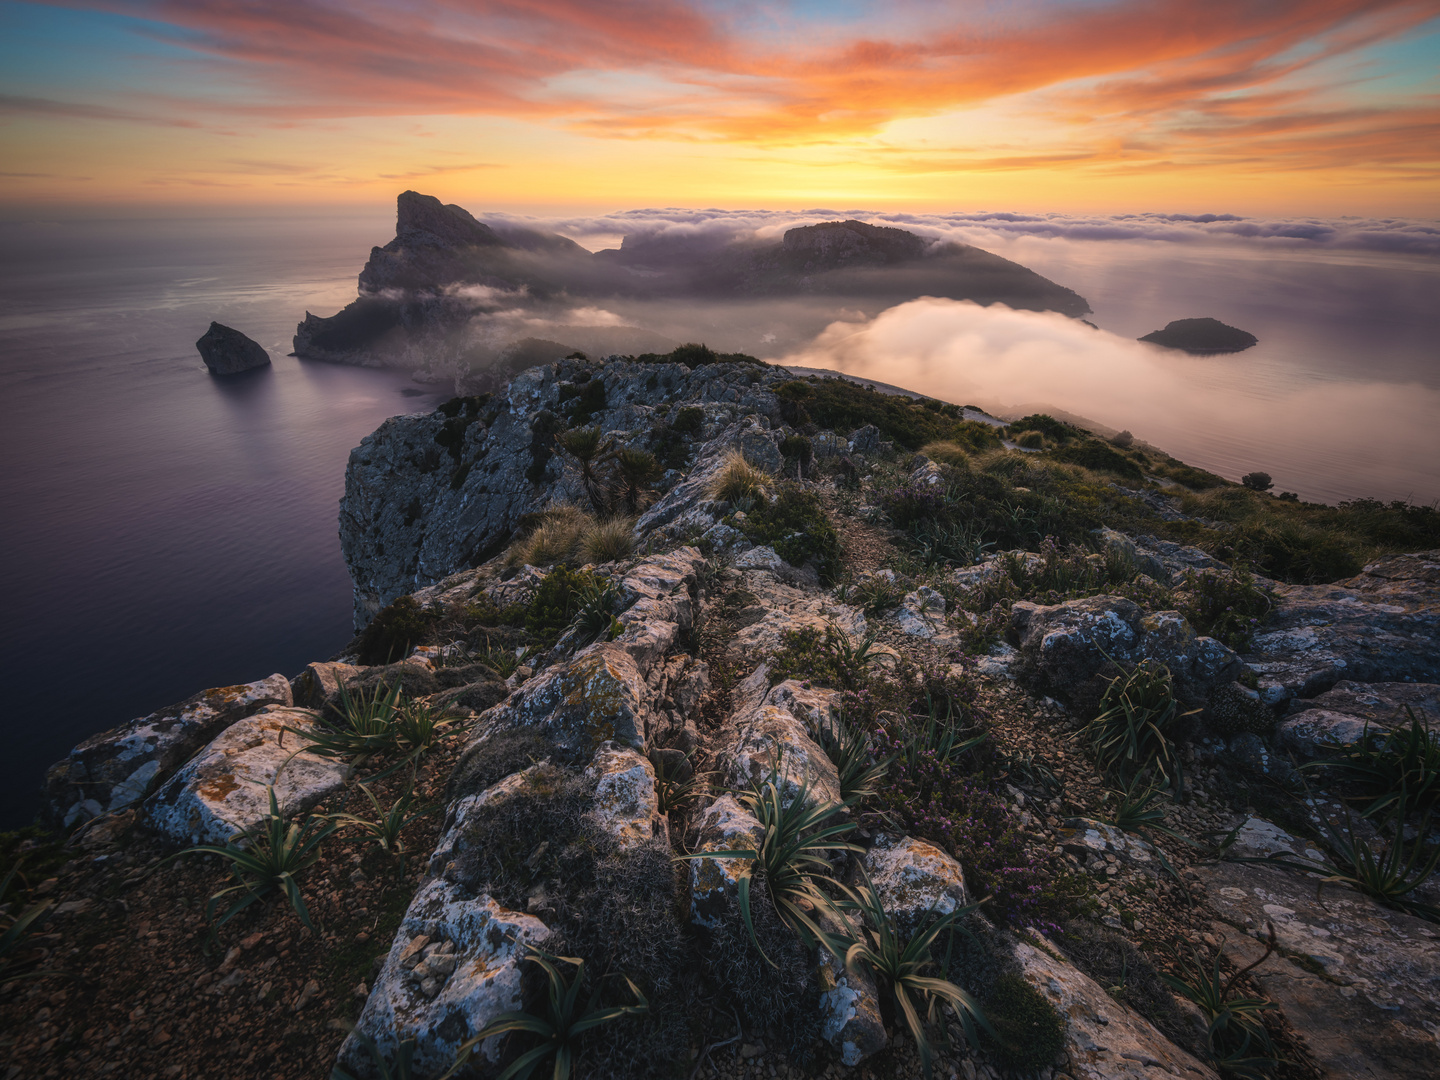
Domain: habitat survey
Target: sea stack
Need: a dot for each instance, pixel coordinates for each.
(1202, 337)
(229, 352)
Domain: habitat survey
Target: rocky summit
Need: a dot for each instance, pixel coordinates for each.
(707, 721)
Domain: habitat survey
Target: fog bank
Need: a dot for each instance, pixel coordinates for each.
(1327, 440)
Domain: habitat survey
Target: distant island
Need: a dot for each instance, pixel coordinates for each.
(453, 292)
(1202, 337)
(227, 351)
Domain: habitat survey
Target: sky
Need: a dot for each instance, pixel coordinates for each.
(1293, 107)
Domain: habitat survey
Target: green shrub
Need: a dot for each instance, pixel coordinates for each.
(554, 604)
(1029, 1033)
(795, 524)
(1229, 607)
(689, 420)
(1136, 728)
(1030, 440)
(1055, 430)
(842, 406)
(694, 356)
(1101, 457)
(396, 629)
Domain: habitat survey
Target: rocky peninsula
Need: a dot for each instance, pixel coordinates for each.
(799, 728)
(449, 290)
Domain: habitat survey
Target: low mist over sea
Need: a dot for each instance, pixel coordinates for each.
(166, 531)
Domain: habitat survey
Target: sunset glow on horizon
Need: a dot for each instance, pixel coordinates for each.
(1295, 106)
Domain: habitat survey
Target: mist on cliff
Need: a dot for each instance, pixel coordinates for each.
(1326, 438)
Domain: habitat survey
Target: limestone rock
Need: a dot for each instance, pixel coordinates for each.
(1259, 839)
(921, 613)
(1340, 717)
(626, 804)
(1072, 645)
(916, 881)
(1359, 982)
(319, 682)
(1381, 626)
(850, 1019)
(1103, 1039)
(714, 883)
(1096, 843)
(221, 791)
(229, 352)
(417, 510)
(770, 740)
(599, 695)
(119, 767)
(759, 558)
(454, 965)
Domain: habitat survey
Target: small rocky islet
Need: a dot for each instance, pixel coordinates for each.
(629, 616)
(1202, 337)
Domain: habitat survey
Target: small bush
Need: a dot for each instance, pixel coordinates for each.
(1136, 728)
(553, 606)
(737, 479)
(1257, 481)
(396, 629)
(1055, 430)
(1123, 439)
(1029, 1032)
(1030, 440)
(1100, 457)
(794, 523)
(1229, 607)
(689, 420)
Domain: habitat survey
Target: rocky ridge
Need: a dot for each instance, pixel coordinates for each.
(697, 675)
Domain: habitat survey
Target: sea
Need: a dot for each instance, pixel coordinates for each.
(163, 531)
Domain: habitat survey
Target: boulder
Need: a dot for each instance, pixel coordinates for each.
(1072, 646)
(921, 613)
(916, 881)
(454, 966)
(626, 803)
(759, 558)
(714, 883)
(1103, 1039)
(319, 682)
(598, 695)
(229, 352)
(119, 767)
(1381, 626)
(771, 741)
(849, 1006)
(222, 790)
(1358, 982)
(1100, 846)
(864, 440)
(1340, 717)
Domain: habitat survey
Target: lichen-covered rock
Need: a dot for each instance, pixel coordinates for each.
(319, 682)
(1340, 717)
(724, 825)
(915, 881)
(849, 1005)
(1381, 626)
(1359, 982)
(1103, 1039)
(1259, 839)
(117, 768)
(759, 558)
(599, 695)
(1075, 646)
(921, 613)
(771, 741)
(455, 964)
(787, 608)
(627, 805)
(660, 594)
(687, 507)
(222, 790)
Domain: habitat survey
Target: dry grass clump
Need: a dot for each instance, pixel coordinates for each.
(737, 479)
(556, 538)
(608, 541)
(946, 453)
(567, 534)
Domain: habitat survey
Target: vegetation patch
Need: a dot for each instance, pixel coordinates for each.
(795, 524)
(842, 406)
(396, 629)
(1029, 1033)
(556, 601)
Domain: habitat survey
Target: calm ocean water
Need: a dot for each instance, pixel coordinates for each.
(164, 531)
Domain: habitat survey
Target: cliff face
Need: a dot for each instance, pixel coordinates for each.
(428, 495)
